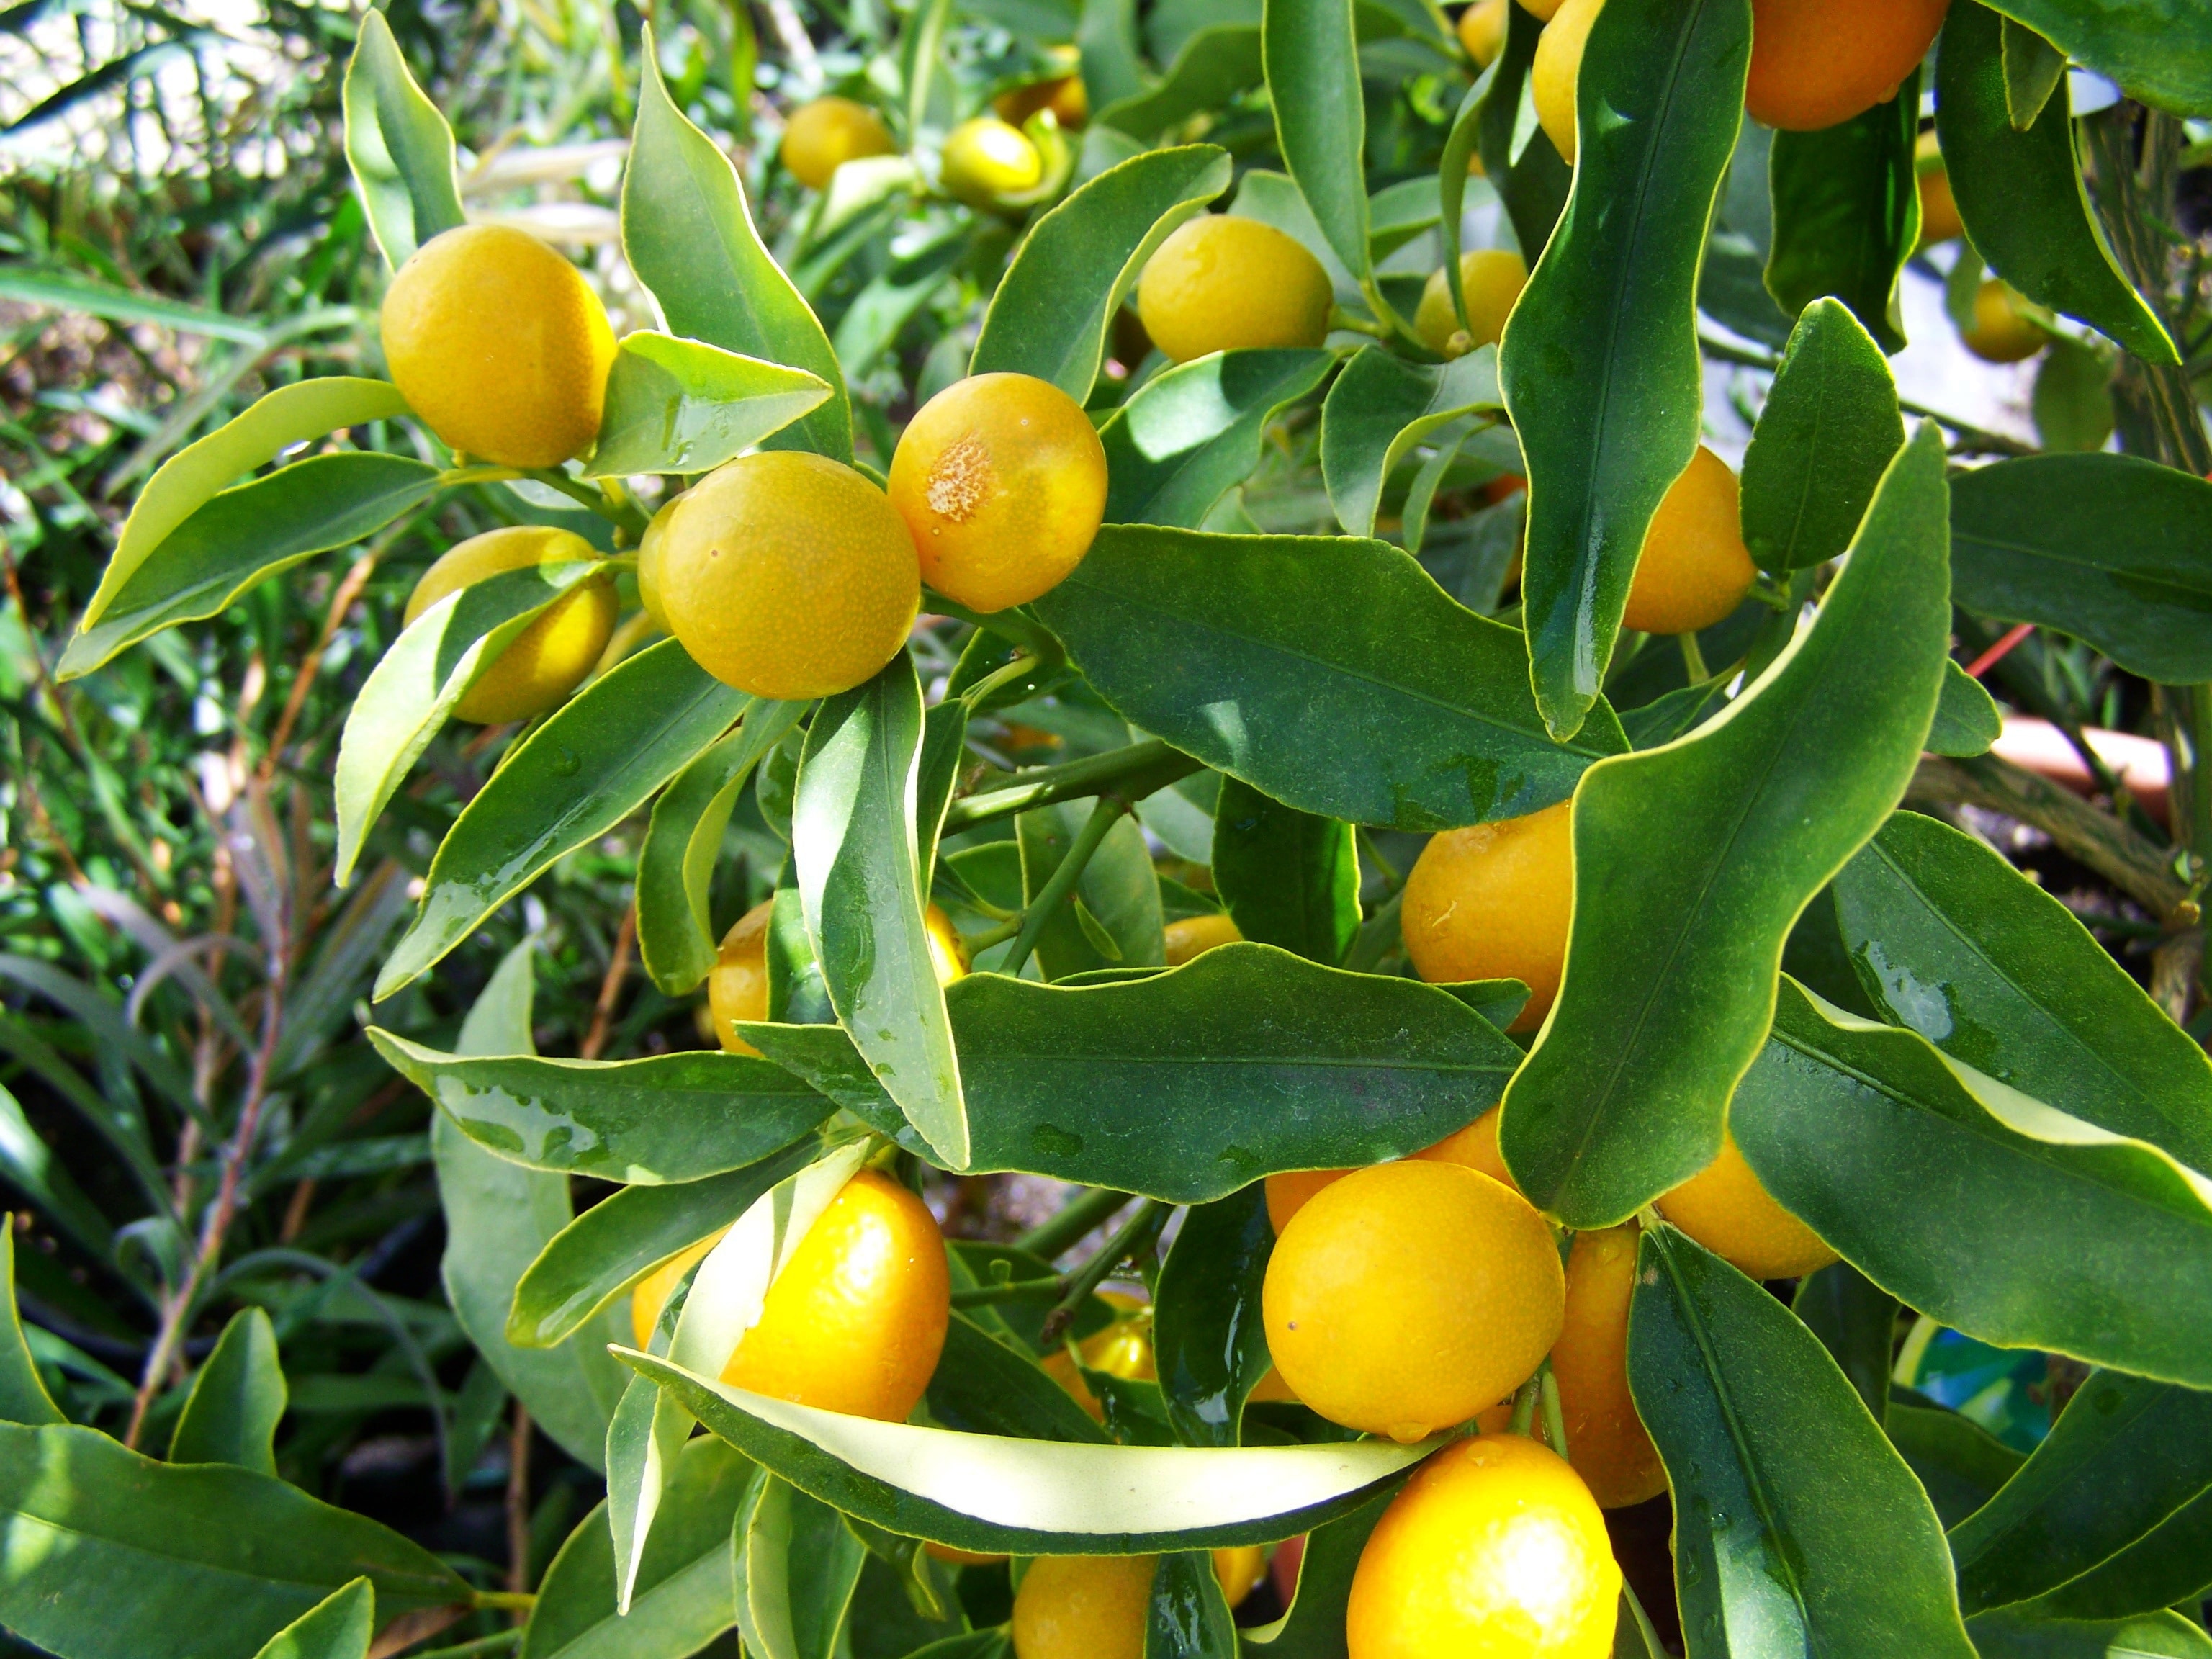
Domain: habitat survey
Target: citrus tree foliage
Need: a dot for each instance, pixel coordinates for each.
(1314, 627)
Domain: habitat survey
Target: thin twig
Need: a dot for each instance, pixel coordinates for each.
(518, 1507)
(1061, 884)
(1135, 1234)
(349, 590)
(611, 987)
(1049, 1239)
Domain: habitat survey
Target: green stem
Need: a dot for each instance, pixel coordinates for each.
(1555, 1420)
(1524, 1406)
(976, 695)
(1129, 775)
(1049, 1238)
(1693, 659)
(506, 1638)
(519, 1600)
(1352, 321)
(1061, 882)
(1136, 1234)
(1030, 636)
(623, 515)
(1652, 1645)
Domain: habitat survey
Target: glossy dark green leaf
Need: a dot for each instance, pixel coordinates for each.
(1331, 673)
(1856, 1322)
(237, 1400)
(683, 1597)
(797, 1564)
(1314, 1628)
(982, 1386)
(685, 406)
(1193, 432)
(2032, 68)
(1671, 966)
(1211, 68)
(2018, 1635)
(689, 237)
(1208, 1343)
(675, 861)
(1600, 365)
(855, 847)
(1961, 1465)
(498, 1217)
(23, 1396)
(1961, 948)
(659, 1120)
(991, 1494)
(2114, 549)
(619, 1240)
(1847, 214)
(337, 1627)
(2160, 49)
(2021, 193)
(1113, 918)
(1312, 60)
(1189, 1085)
(399, 146)
(1676, 714)
(1828, 431)
(1533, 183)
(1798, 1520)
(2072, 402)
(417, 682)
(204, 1559)
(249, 533)
(1189, 1616)
(1380, 408)
(1054, 307)
(596, 760)
(1988, 1211)
(2113, 1511)
(1286, 877)
(1968, 720)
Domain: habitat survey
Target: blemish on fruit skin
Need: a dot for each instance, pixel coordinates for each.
(960, 481)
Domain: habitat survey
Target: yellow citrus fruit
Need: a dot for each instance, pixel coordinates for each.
(1474, 1147)
(1220, 284)
(1239, 1568)
(1558, 65)
(498, 344)
(1606, 1439)
(1694, 568)
(1094, 1607)
(2004, 330)
(1123, 1349)
(1065, 97)
(1406, 1297)
(1272, 1386)
(985, 159)
(1544, 10)
(1494, 900)
(1288, 1193)
(651, 1293)
(856, 1319)
(737, 986)
(1494, 1549)
(1002, 480)
(821, 137)
(1815, 63)
(1939, 209)
(962, 1558)
(549, 658)
(1482, 30)
(650, 547)
(1492, 278)
(1724, 1208)
(789, 575)
(1193, 936)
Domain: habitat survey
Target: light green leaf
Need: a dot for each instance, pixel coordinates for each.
(1967, 721)
(1106, 35)
(2021, 194)
(1286, 877)
(1113, 918)
(1380, 408)
(399, 146)
(1987, 1211)
(1601, 364)
(797, 1564)
(685, 406)
(854, 844)
(23, 1396)
(1211, 68)
(2160, 49)
(676, 862)
(237, 1400)
(596, 760)
(1331, 673)
(2032, 68)
(1056, 303)
(337, 1627)
(1312, 60)
(690, 238)
(2018, 1635)
(1805, 1532)
(1192, 433)
(1671, 967)
(1958, 946)
(1847, 213)
(1531, 180)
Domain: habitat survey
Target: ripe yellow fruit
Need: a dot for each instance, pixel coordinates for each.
(650, 548)
(1494, 1549)
(651, 1293)
(1694, 568)
(737, 987)
(1094, 1607)
(1066, 97)
(1474, 1147)
(1543, 10)
(498, 344)
(549, 658)
(1494, 900)
(1123, 1349)
(2004, 330)
(959, 1557)
(1193, 936)
(1291, 1191)
(985, 159)
(1221, 283)
(822, 136)
(1002, 481)
(789, 575)
(1815, 63)
(856, 1319)
(1606, 1439)
(1239, 1568)
(1558, 65)
(1938, 209)
(1724, 1208)
(1482, 31)
(1492, 278)
(1406, 1297)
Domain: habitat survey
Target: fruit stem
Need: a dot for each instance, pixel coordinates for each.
(1049, 1239)
(1524, 1408)
(1651, 1642)
(973, 696)
(623, 515)
(1061, 882)
(1010, 624)
(1555, 1420)
(1137, 1235)
(522, 1600)
(1339, 318)
(1131, 773)
(1693, 659)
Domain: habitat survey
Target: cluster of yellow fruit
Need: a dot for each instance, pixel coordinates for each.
(985, 161)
